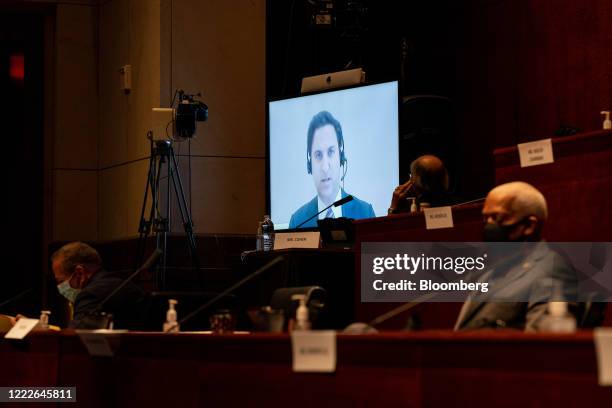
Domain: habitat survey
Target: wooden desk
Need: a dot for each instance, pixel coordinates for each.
(421, 369)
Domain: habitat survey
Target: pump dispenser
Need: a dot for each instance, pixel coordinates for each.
(301, 314)
(171, 324)
(558, 319)
(413, 206)
(607, 122)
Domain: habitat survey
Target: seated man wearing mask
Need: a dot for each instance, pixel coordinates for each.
(427, 186)
(77, 268)
(528, 274)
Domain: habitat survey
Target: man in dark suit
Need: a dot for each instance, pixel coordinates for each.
(325, 158)
(526, 280)
(77, 268)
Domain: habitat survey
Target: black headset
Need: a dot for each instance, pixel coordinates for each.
(319, 120)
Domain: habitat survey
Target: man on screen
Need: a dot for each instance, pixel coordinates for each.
(325, 158)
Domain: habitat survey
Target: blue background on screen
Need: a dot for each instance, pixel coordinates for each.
(369, 119)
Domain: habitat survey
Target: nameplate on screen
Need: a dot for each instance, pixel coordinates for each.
(536, 153)
(438, 217)
(314, 351)
(21, 328)
(285, 240)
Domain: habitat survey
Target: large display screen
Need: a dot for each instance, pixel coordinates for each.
(326, 146)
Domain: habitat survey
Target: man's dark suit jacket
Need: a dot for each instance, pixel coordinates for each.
(533, 278)
(129, 306)
(355, 208)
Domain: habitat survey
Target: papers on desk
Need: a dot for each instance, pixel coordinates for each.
(603, 348)
(21, 328)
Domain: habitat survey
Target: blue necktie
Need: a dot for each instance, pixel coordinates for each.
(329, 213)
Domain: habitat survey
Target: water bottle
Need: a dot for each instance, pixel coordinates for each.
(259, 238)
(267, 233)
(44, 319)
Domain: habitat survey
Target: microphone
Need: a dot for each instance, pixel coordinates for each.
(470, 202)
(342, 201)
(226, 292)
(149, 263)
(16, 297)
(338, 203)
(370, 327)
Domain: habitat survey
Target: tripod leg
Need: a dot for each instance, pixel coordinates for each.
(160, 226)
(144, 228)
(183, 209)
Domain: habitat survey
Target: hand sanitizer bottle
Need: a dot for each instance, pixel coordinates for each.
(301, 314)
(43, 321)
(607, 122)
(559, 320)
(171, 325)
(413, 206)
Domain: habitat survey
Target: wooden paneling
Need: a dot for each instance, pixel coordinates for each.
(524, 69)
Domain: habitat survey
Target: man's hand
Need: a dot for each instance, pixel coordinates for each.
(13, 320)
(401, 192)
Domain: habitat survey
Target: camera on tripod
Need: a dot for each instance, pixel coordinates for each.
(180, 123)
(188, 112)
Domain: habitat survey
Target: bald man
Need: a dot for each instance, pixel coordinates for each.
(428, 186)
(527, 278)
(514, 211)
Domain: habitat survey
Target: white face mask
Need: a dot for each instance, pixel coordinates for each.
(68, 291)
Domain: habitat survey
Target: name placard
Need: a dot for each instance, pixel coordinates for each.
(438, 217)
(536, 153)
(314, 351)
(603, 347)
(284, 240)
(21, 328)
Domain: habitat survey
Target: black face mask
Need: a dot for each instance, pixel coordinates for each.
(493, 232)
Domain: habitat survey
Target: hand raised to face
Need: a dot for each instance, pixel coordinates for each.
(400, 194)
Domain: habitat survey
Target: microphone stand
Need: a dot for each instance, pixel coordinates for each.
(227, 292)
(147, 265)
(19, 295)
(400, 309)
(338, 203)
